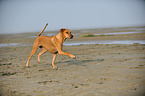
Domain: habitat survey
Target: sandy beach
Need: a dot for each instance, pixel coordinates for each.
(102, 69)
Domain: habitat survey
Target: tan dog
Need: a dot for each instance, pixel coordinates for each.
(52, 44)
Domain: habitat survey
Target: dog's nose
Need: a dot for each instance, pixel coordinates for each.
(71, 36)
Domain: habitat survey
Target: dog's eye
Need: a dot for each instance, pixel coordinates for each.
(66, 32)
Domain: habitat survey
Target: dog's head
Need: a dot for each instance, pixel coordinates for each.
(66, 33)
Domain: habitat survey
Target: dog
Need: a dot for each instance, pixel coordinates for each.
(52, 44)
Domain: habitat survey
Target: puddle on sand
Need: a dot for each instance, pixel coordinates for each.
(117, 33)
(10, 44)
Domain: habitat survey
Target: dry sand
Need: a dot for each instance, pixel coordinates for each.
(99, 70)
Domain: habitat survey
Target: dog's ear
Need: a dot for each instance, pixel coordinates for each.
(61, 30)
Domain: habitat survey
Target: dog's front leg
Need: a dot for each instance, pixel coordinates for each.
(65, 53)
(54, 57)
(60, 52)
(58, 46)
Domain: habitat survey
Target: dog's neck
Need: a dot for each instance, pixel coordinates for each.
(60, 37)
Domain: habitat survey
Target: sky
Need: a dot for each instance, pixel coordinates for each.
(21, 16)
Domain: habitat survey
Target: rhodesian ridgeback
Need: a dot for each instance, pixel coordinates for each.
(52, 44)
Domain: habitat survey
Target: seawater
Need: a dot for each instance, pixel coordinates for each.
(105, 42)
(84, 43)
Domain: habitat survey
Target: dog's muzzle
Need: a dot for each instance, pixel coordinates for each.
(71, 36)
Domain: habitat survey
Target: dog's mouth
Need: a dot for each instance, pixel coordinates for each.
(71, 36)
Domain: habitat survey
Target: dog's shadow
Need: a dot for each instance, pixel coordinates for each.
(81, 62)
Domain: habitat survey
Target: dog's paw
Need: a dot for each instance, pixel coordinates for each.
(27, 66)
(39, 62)
(73, 57)
(55, 67)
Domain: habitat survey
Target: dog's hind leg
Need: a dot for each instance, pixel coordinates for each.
(35, 47)
(43, 51)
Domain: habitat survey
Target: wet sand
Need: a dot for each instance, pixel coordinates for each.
(99, 70)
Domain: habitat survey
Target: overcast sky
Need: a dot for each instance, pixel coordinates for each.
(17, 16)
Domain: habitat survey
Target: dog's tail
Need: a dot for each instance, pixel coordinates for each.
(42, 30)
